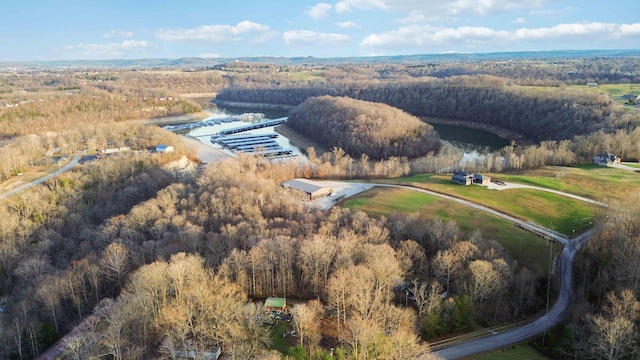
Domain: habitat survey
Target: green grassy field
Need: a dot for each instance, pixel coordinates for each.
(277, 341)
(590, 181)
(621, 89)
(524, 246)
(516, 352)
(547, 209)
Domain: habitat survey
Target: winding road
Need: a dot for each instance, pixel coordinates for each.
(564, 272)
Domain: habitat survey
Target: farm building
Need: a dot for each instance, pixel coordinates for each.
(164, 148)
(311, 189)
(481, 179)
(462, 178)
(606, 159)
(275, 304)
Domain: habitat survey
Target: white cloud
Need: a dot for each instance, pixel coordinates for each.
(564, 30)
(319, 11)
(442, 8)
(109, 49)
(307, 37)
(347, 24)
(118, 33)
(553, 12)
(519, 21)
(419, 35)
(263, 37)
(630, 29)
(413, 17)
(218, 33)
(347, 5)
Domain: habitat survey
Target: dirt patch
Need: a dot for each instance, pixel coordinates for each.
(206, 154)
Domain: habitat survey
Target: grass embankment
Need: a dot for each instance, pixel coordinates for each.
(524, 246)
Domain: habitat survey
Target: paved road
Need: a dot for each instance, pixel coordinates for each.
(564, 272)
(553, 317)
(72, 163)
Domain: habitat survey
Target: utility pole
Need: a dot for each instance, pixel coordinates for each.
(550, 244)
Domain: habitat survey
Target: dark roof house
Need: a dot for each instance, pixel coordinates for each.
(606, 159)
(462, 178)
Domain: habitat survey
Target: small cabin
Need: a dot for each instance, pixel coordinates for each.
(275, 304)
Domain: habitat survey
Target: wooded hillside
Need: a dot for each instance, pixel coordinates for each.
(538, 113)
(362, 127)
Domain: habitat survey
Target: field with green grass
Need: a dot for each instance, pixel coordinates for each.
(516, 352)
(546, 209)
(632, 164)
(590, 181)
(621, 89)
(524, 246)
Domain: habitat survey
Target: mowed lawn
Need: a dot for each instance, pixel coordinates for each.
(524, 246)
(590, 181)
(547, 209)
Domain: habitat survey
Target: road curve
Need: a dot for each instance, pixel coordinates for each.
(72, 163)
(564, 272)
(550, 319)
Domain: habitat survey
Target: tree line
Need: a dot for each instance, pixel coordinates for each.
(553, 114)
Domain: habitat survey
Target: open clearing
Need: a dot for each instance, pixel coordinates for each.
(563, 214)
(523, 245)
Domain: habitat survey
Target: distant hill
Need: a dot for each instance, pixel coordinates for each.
(200, 63)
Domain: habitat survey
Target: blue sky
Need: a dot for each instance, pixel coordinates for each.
(119, 29)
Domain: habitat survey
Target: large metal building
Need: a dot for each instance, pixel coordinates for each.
(311, 189)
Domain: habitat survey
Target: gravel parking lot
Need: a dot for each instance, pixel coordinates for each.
(341, 190)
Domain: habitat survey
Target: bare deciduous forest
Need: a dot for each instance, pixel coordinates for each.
(174, 260)
(362, 127)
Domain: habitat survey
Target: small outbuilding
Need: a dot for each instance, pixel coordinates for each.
(462, 178)
(606, 159)
(275, 304)
(164, 148)
(481, 179)
(311, 189)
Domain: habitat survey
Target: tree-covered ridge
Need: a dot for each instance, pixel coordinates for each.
(362, 127)
(556, 113)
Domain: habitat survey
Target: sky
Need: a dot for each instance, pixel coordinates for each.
(134, 29)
